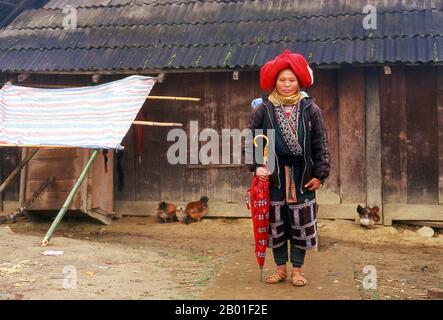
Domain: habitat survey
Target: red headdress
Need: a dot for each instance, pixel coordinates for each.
(296, 62)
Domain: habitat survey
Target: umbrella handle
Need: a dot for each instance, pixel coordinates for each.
(265, 150)
(248, 199)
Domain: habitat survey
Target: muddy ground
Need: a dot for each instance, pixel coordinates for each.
(138, 258)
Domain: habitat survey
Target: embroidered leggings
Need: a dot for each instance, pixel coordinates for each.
(281, 255)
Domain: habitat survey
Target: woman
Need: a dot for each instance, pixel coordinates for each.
(302, 161)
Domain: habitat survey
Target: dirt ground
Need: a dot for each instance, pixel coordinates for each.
(138, 258)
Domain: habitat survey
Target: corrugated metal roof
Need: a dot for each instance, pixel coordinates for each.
(420, 24)
(194, 13)
(162, 34)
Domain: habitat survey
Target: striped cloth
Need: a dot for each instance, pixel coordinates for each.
(86, 117)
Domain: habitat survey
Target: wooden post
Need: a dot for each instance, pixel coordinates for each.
(394, 141)
(373, 139)
(440, 132)
(68, 201)
(22, 195)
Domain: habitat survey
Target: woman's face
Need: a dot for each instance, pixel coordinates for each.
(287, 83)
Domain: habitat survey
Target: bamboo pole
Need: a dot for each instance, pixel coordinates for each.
(158, 124)
(68, 201)
(172, 98)
(17, 170)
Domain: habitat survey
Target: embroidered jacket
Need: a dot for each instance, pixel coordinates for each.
(315, 149)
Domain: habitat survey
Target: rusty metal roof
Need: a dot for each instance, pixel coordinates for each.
(187, 34)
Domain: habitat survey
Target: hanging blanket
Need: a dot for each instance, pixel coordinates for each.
(87, 117)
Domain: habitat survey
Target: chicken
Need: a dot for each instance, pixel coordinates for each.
(182, 217)
(197, 209)
(368, 216)
(166, 212)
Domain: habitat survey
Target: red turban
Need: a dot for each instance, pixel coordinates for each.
(286, 60)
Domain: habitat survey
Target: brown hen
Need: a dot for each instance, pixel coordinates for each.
(166, 212)
(197, 209)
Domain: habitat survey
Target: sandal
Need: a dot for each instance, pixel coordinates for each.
(279, 276)
(298, 279)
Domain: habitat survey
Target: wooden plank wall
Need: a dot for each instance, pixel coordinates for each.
(411, 116)
(422, 134)
(63, 164)
(352, 134)
(340, 93)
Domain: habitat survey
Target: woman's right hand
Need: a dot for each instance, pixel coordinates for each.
(262, 172)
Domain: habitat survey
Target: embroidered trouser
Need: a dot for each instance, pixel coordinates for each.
(281, 255)
(297, 223)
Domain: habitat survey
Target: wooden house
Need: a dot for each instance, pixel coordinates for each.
(380, 89)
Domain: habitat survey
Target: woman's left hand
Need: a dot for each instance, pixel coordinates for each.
(313, 185)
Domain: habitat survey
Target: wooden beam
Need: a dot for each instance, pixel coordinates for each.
(23, 176)
(409, 212)
(148, 72)
(373, 139)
